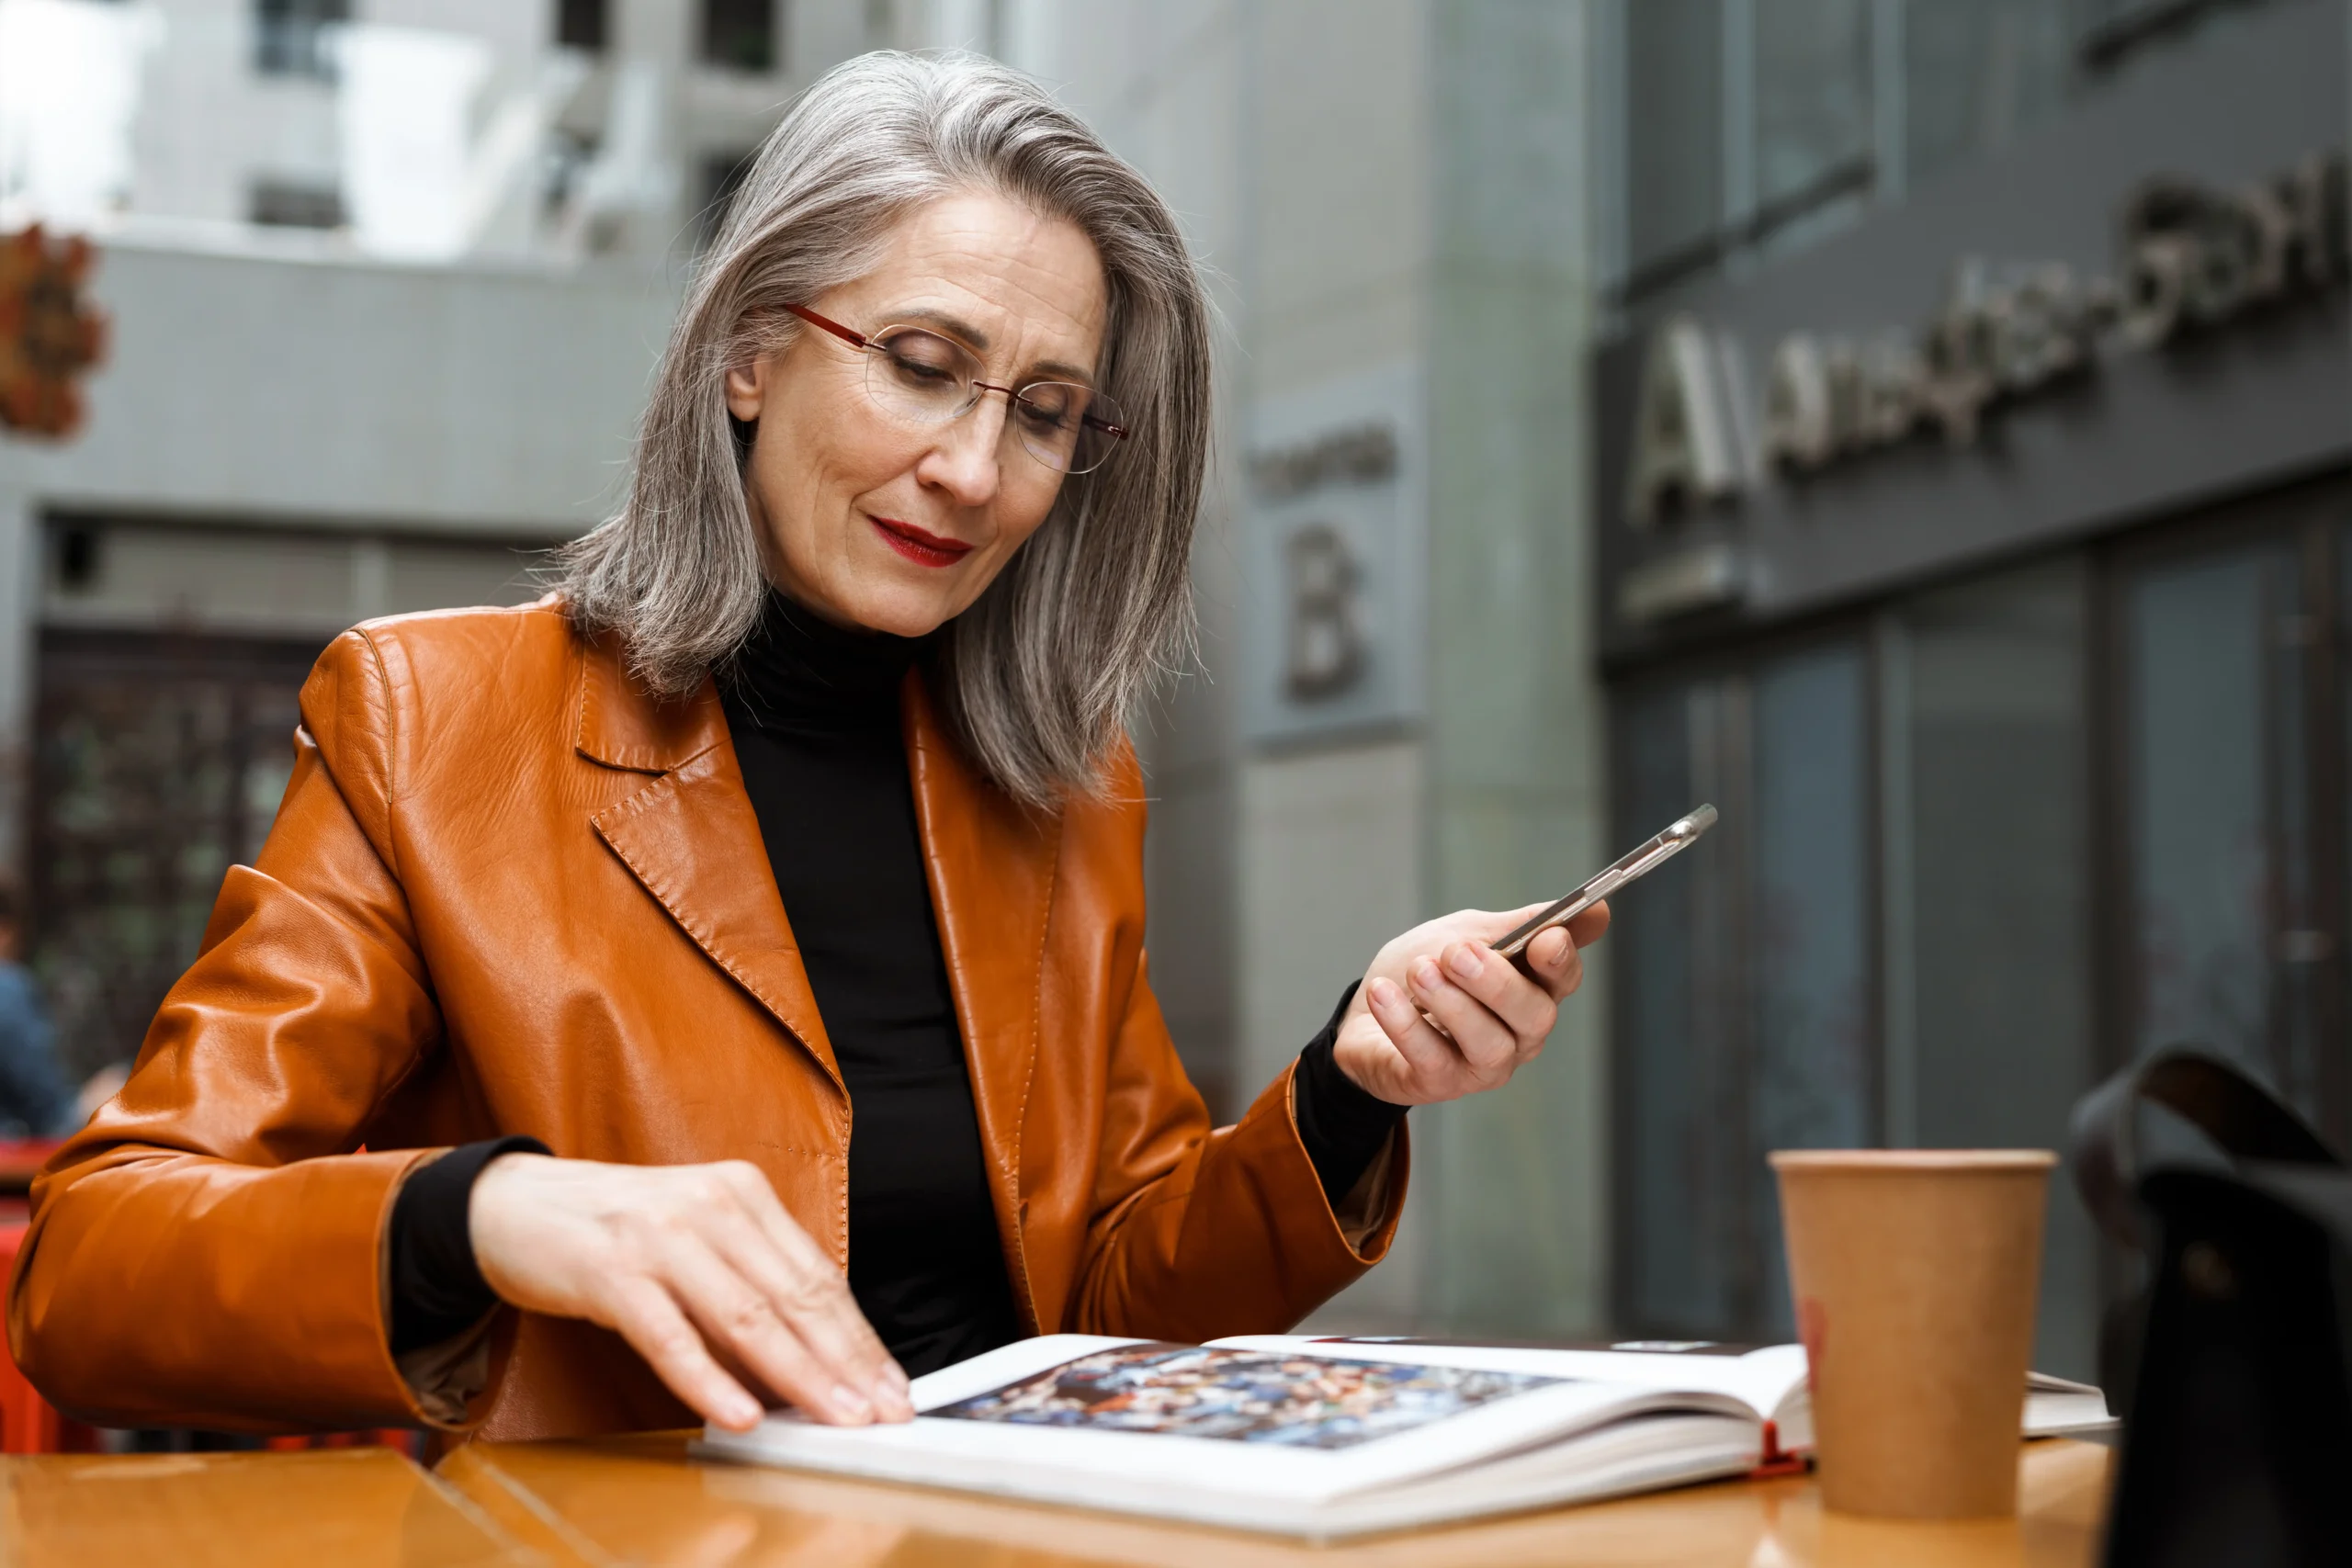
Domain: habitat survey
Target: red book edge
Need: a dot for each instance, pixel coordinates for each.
(1777, 1460)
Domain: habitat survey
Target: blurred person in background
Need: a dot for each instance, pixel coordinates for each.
(585, 929)
(35, 1100)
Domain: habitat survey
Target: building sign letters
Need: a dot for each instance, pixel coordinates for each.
(1323, 640)
(2193, 258)
(1332, 564)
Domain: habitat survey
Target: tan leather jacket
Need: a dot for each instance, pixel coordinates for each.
(507, 893)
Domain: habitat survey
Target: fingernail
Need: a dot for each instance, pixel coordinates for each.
(1425, 974)
(848, 1401)
(742, 1414)
(1464, 961)
(1385, 994)
(890, 1395)
(896, 1376)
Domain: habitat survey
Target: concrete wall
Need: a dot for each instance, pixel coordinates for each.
(1167, 84)
(1516, 1181)
(1289, 139)
(326, 392)
(1377, 183)
(333, 396)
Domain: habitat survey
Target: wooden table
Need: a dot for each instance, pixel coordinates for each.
(350, 1508)
(642, 1500)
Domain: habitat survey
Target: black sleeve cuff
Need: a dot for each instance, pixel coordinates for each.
(437, 1287)
(1343, 1125)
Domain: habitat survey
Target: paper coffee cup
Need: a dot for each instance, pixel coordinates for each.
(1915, 1273)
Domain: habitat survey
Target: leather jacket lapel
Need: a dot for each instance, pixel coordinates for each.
(991, 868)
(691, 838)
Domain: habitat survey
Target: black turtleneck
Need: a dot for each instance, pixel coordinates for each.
(813, 711)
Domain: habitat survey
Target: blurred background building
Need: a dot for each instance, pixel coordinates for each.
(1921, 427)
(384, 282)
(1399, 713)
(1970, 496)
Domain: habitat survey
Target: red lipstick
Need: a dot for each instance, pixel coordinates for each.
(920, 546)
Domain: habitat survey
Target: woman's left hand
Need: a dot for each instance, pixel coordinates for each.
(1441, 1015)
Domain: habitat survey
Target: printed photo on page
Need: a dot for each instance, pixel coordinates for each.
(1249, 1396)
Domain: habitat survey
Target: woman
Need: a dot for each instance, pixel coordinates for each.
(514, 1086)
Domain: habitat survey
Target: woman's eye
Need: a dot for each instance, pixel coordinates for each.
(1047, 413)
(921, 372)
(920, 359)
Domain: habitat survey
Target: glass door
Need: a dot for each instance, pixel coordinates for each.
(2227, 776)
(1745, 1017)
(1986, 875)
(1886, 941)
(2020, 830)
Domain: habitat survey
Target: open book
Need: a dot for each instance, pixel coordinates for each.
(1327, 1438)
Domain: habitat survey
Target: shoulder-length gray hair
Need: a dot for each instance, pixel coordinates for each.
(1039, 676)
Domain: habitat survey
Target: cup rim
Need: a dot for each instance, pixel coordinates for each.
(1899, 1161)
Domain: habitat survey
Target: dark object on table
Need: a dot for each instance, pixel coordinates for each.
(2232, 1367)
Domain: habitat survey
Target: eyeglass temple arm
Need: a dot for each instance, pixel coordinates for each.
(839, 331)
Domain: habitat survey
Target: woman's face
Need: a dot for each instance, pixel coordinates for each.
(873, 520)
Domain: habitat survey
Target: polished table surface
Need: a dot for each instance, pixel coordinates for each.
(643, 1500)
(360, 1507)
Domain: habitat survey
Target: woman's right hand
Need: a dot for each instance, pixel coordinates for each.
(700, 1269)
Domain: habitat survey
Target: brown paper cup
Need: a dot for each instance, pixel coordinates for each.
(1915, 1274)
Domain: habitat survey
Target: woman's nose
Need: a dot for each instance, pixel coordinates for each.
(965, 460)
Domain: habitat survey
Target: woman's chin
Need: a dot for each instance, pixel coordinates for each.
(901, 609)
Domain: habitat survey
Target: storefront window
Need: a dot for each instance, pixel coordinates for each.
(1816, 1040)
(1682, 1237)
(1813, 96)
(1890, 937)
(1745, 1023)
(159, 762)
(1987, 863)
(1674, 197)
(1886, 941)
(2216, 778)
(1976, 72)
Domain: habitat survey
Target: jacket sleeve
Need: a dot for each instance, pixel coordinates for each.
(209, 1250)
(1197, 1233)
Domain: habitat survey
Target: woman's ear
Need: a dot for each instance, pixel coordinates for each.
(747, 389)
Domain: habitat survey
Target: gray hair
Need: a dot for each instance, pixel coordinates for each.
(1038, 677)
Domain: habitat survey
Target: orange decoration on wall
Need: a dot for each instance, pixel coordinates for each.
(49, 334)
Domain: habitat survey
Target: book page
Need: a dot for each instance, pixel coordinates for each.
(1279, 1423)
(1240, 1396)
(1770, 1380)
(1762, 1379)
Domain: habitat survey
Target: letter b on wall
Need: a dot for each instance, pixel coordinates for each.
(1326, 641)
(1333, 558)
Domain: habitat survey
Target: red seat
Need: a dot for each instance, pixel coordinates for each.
(30, 1424)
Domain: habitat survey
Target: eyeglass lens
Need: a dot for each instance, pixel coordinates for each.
(930, 380)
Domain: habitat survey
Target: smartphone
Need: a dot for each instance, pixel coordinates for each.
(1679, 833)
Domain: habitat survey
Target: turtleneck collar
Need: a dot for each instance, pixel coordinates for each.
(802, 673)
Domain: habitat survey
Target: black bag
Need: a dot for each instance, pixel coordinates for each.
(2232, 1369)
